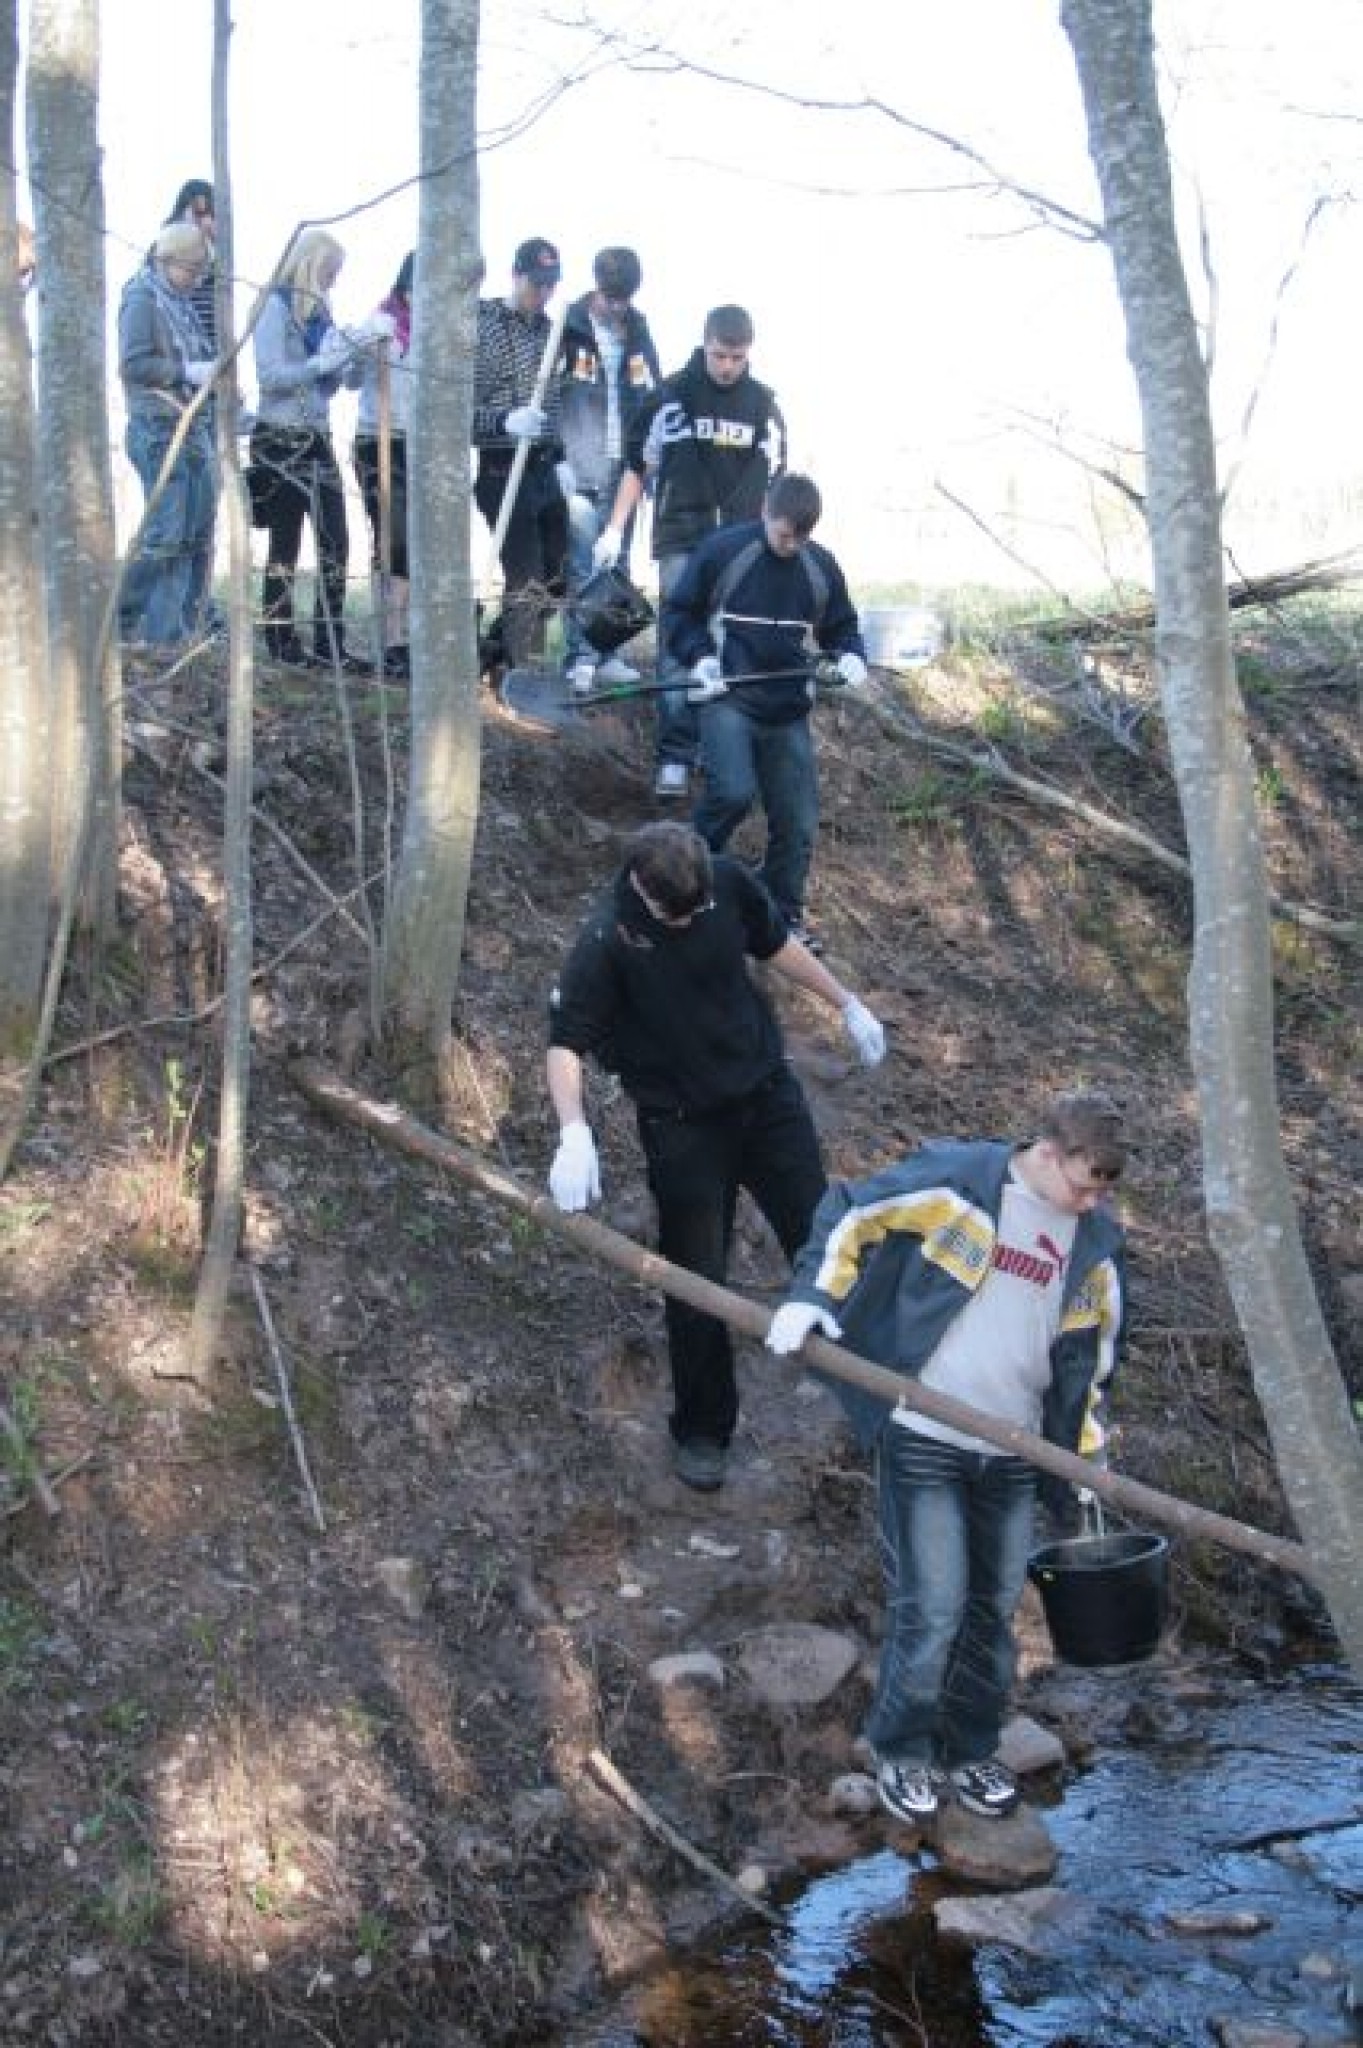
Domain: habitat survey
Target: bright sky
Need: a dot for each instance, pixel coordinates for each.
(913, 323)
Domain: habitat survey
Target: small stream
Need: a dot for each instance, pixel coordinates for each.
(1244, 1816)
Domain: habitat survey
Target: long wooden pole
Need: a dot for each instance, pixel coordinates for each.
(393, 1126)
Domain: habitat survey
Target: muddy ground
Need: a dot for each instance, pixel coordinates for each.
(263, 1782)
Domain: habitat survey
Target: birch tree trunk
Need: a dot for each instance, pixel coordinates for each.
(224, 1224)
(25, 861)
(426, 923)
(76, 492)
(1250, 1207)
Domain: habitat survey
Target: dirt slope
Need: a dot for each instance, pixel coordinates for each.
(261, 1782)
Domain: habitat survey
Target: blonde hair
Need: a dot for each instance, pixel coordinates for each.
(301, 276)
(180, 242)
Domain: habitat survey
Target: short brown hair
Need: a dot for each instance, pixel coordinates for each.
(1086, 1121)
(617, 272)
(671, 863)
(796, 498)
(730, 326)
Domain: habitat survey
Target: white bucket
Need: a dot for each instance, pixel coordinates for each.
(901, 636)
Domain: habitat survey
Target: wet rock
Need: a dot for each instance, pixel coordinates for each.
(1218, 1920)
(1025, 1747)
(853, 1794)
(1035, 1920)
(1012, 1853)
(405, 1581)
(796, 1664)
(1234, 2033)
(687, 1667)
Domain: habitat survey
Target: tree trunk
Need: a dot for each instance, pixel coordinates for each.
(75, 475)
(25, 862)
(1250, 1206)
(426, 924)
(224, 1224)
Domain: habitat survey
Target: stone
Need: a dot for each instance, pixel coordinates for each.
(1218, 1920)
(687, 1667)
(853, 1794)
(712, 1546)
(752, 1879)
(1260, 2033)
(1035, 1920)
(796, 1664)
(1012, 1853)
(405, 1581)
(1026, 1747)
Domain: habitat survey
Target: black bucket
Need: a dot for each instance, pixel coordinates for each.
(610, 610)
(1104, 1597)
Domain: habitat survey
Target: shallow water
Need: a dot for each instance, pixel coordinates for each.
(1253, 1804)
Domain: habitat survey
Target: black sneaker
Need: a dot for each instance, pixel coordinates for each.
(986, 1788)
(700, 1463)
(910, 1791)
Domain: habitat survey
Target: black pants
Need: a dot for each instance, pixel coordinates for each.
(366, 457)
(696, 1166)
(294, 476)
(534, 550)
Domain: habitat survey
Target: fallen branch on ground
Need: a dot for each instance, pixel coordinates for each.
(607, 1774)
(286, 1397)
(31, 1472)
(989, 762)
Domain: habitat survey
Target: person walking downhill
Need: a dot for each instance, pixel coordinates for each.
(657, 988)
(366, 455)
(764, 599)
(610, 370)
(994, 1272)
(513, 333)
(712, 439)
(302, 360)
(163, 359)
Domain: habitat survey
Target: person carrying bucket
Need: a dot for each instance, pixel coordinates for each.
(995, 1273)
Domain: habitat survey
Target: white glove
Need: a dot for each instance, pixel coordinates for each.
(567, 478)
(707, 681)
(793, 1322)
(866, 1032)
(575, 1176)
(852, 669)
(380, 326)
(199, 373)
(526, 422)
(606, 552)
(335, 352)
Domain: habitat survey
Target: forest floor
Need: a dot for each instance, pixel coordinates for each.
(262, 1782)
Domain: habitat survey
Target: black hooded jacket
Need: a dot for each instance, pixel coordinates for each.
(715, 450)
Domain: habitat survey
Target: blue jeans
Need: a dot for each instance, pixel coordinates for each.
(743, 761)
(167, 582)
(679, 728)
(955, 1533)
(586, 518)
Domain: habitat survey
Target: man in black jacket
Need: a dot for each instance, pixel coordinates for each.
(764, 599)
(608, 376)
(712, 439)
(657, 989)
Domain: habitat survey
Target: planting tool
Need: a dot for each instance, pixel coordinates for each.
(538, 697)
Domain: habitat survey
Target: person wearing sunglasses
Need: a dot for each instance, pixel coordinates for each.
(995, 1273)
(657, 989)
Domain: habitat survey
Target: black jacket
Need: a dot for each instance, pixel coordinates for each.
(772, 619)
(715, 449)
(674, 1012)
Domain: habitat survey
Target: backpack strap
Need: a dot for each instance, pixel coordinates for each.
(737, 567)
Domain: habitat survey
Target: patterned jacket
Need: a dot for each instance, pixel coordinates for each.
(896, 1257)
(510, 348)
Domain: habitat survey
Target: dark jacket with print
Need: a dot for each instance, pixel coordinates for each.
(715, 450)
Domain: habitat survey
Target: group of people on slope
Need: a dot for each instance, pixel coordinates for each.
(990, 1270)
(749, 601)
(167, 350)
